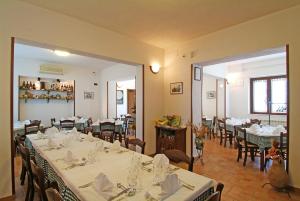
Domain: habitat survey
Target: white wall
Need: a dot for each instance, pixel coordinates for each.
(124, 85)
(209, 105)
(239, 88)
(84, 81)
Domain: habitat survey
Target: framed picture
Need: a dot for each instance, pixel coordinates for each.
(176, 88)
(197, 73)
(89, 95)
(120, 97)
(211, 94)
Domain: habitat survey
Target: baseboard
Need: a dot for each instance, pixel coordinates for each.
(8, 198)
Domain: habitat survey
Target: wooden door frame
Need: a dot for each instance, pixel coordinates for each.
(288, 102)
(128, 97)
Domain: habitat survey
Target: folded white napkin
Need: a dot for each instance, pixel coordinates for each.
(169, 186)
(255, 128)
(26, 122)
(74, 130)
(116, 146)
(67, 141)
(39, 134)
(69, 156)
(103, 186)
(52, 130)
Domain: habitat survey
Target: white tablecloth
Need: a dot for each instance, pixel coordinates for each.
(115, 166)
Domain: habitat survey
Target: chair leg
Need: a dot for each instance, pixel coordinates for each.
(252, 154)
(239, 154)
(245, 158)
(221, 138)
(23, 175)
(230, 139)
(225, 139)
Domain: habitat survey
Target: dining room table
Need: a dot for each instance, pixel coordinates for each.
(118, 125)
(263, 136)
(76, 180)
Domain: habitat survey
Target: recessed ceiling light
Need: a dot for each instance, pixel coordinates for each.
(61, 53)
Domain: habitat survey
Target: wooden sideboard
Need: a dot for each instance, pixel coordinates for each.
(170, 138)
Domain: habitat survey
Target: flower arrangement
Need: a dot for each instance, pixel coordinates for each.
(169, 120)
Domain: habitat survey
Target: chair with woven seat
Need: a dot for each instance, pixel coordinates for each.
(53, 195)
(244, 145)
(178, 156)
(212, 129)
(67, 124)
(40, 182)
(225, 135)
(133, 143)
(107, 131)
(26, 170)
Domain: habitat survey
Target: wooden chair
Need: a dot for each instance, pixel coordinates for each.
(135, 142)
(255, 121)
(40, 182)
(89, 127)
(178, 156)
(107, 131)
(225, 135)
(52, 121)
(67, 124)
(245, 146)
(130, 122)
(53, 195)
(216, 196)
(26, 170)
(212, 129)
(31, 128)
(283, 145)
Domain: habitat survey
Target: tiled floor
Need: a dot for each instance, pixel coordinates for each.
(241, 183)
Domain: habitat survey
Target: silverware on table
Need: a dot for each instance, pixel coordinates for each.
(147, 162)
(186, 185)
(124, 190)
(86, 185)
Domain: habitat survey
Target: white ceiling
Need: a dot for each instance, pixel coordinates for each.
(165, 22)
(48, 56)
(221, 70)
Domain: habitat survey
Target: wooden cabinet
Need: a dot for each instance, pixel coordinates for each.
(170, 138)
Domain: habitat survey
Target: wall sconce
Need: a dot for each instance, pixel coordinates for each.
(155, 68)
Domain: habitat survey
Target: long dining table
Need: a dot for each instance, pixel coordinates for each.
(113, 164)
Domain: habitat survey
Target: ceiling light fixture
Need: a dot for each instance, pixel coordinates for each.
(61, 53)
(155, 68)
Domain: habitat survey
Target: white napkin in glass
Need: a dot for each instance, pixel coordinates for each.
(278, 129)
(39, 135)
(103, 186)
(74, 130)
(90, 137)
(255, 127)
(26, 122)
(69, 156)
(116, 146)
(160, 160)
(51, 143)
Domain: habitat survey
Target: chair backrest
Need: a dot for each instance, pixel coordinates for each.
(219, 189)
(52, 120)
(25, 155)
(178, 156)
(244, 134)
(135, 142)
(283, 142)
(33, 127)
(107, 126)
(255, 121)
(53, 195)
(38, 180)
(129, 123)
(67, 124)
(214, 121)
(214, 197)
(89, 122)
(221, 125)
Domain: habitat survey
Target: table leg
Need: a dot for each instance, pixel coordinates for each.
(262, 159)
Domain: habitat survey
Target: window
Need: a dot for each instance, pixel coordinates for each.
(268, 95)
